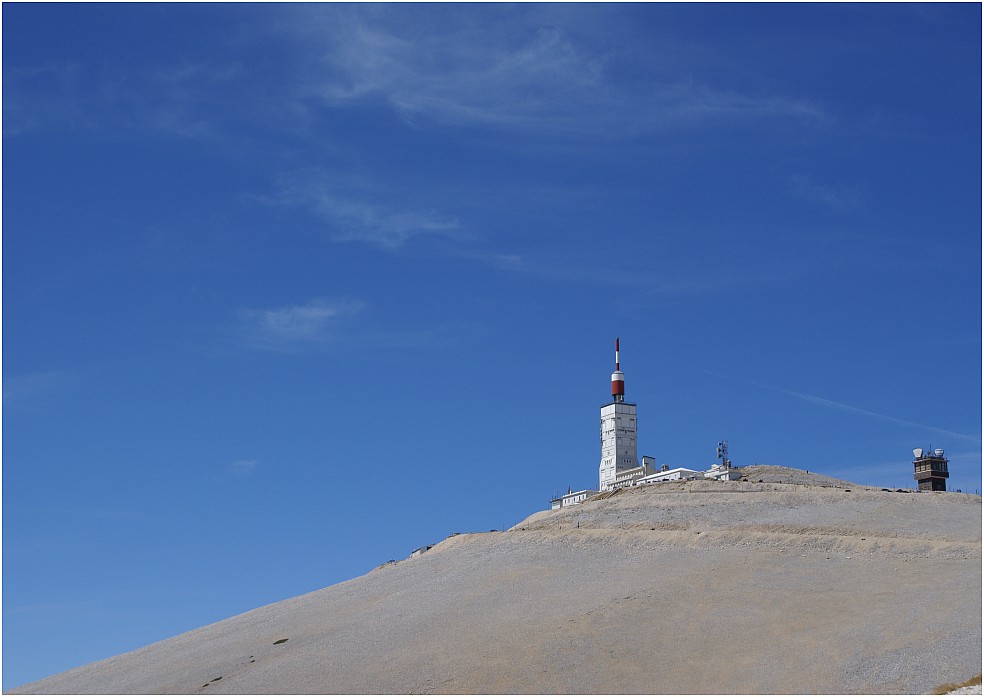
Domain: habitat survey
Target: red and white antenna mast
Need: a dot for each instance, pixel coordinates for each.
(618, 379)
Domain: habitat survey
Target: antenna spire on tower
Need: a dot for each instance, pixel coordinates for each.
(618, 379)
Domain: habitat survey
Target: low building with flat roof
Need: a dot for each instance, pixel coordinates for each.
(571, 498)
(671, 475)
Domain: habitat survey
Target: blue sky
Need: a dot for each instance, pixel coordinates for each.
(290, 290)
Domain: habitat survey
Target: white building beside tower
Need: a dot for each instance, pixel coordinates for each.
(619, 456)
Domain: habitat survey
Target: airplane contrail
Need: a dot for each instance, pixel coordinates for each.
(848, 408)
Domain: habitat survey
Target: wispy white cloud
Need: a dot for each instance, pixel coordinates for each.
(189, 99)
(459, 78)
(182, 99)
(242, 468)
(505, 69)
(378, 225)
(113, 514)
(528, 74)
(293, 327)
(352, 215)
(42, 96)
(833, 197)
(29, 390)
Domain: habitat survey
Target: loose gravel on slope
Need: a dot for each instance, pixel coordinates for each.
(708, 587)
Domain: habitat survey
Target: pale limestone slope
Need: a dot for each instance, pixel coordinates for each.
(786, 589)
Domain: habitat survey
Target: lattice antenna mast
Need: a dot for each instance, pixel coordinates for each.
(722, 453)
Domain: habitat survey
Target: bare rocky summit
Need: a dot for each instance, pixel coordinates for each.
(789, 475)
(787, 586)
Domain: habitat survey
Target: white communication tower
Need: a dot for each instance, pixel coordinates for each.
(618, 432)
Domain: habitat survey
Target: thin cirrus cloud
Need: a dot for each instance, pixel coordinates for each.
(837, 198)
(183, 99)
(294, 328)
(459, 81)
(376, 224)
(505, 70)
(242, 468)
(546, 79)
(30, 391)
(320, 325)
(354, 217)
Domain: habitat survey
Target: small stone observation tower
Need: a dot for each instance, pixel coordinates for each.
(930, 469)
